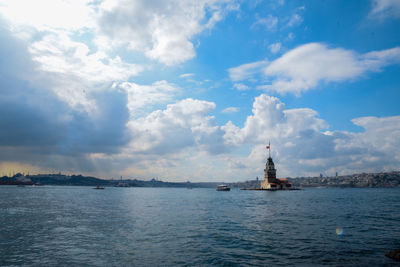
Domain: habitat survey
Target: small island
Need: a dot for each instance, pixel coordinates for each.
(270, 182)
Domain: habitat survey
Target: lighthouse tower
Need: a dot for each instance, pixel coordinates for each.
(270, 181)
(270, 171)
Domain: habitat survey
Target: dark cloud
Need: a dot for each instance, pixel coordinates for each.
(104, 132)
(312, 144)
(35, 123)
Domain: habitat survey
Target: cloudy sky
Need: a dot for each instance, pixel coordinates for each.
(194, 90)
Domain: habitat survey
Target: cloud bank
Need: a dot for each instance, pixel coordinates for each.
(385, 9)
(70, 102)
(163, 30)
(308, 66)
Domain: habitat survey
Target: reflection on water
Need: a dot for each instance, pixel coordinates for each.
(165, 226)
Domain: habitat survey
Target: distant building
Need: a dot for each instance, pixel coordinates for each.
(270, 180)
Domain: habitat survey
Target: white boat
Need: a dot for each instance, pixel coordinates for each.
(223, 187)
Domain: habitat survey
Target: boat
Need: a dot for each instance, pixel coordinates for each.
(98, 187)
(122, 185)
(223, 187)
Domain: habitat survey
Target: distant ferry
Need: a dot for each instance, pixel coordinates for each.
(98, 187)
(223, 188)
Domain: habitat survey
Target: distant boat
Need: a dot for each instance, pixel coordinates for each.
(223, 187)
(98, 187)
(122, 185)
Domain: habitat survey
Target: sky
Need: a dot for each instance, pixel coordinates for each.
(183, 90)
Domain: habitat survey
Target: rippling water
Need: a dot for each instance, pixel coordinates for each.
(52, 225)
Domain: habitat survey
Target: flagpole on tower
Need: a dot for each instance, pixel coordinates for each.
(269, 149)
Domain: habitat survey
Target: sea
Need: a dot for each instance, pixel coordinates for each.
(79, 226)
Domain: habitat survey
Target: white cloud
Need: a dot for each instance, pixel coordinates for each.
(275, 47)
(271, 120)
(307, 66)
(69, 69)
(230, 110)
(186, 75)
(376, 60)
(141, 98)
(186, 126)
(241, 86)
(66, 60)
(381, 134)
(49, 14)
(58, 53)
(269, 22)
(374, 149)
(304, 67)
(290, 36)
(247, 71)
(181, 125)
(295, 20)
(163, 30)
(385, 8)
(183, 142)
(302, 146)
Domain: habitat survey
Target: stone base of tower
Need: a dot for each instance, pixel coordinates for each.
(266, 185)
(280, 184)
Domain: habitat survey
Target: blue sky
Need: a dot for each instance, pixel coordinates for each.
(194, 90)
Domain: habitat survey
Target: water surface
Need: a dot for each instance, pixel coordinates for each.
(57, 225)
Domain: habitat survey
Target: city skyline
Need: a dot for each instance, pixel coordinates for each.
(195, 90)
